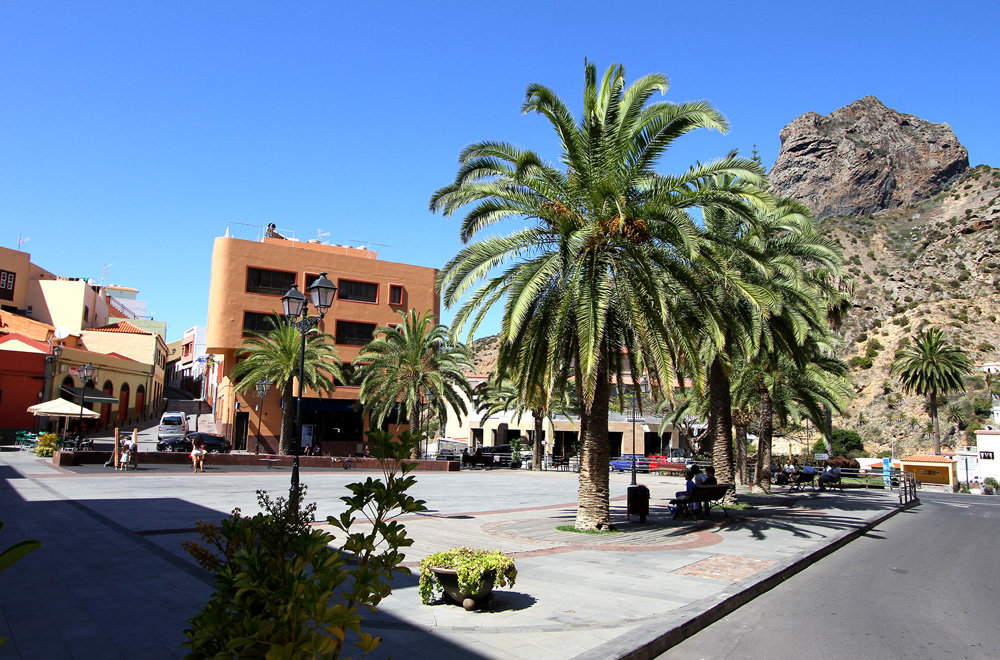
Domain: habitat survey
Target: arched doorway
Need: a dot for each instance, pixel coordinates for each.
(108, 389)
(123, 403)
(140, 401)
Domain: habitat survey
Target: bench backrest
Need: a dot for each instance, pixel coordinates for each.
(709, 493)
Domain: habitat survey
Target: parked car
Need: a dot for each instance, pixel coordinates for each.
(624, 464)
(214, 444)
(496, 456)
(173, 425)
(665, 463)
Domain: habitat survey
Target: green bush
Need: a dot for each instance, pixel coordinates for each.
(47, 444)
(282, 589)
(859, 361)
(845, 441)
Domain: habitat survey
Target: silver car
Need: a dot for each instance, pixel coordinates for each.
(172, 425)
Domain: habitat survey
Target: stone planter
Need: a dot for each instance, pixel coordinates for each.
(448, 579)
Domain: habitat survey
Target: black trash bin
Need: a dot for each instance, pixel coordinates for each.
(638, 502)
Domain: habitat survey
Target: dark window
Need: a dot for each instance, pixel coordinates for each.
(256, 322)
(310, 278)
(360, 291)
(354, 334)
(269, 282)
(6, 285)
(395, 294)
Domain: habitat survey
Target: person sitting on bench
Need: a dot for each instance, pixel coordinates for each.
(710, 479)
(688, 487)
(831, 475)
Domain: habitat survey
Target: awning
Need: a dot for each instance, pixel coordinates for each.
(90, 395)
(61, 408)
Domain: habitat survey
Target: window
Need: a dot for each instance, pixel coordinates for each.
(986, 455)
(395, 294)
(357, 291)
(6, 285)
(256, 322)
(269, 282)
(354, 334)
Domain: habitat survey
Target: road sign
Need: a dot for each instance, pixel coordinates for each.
(821, 457)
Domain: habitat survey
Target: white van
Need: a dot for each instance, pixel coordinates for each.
(172, 425)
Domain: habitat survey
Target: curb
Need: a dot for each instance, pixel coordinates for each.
(690, 619)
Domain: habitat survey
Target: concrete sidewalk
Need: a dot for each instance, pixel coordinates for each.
(113, 581)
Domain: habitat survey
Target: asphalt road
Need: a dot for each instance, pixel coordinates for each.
(924, 584)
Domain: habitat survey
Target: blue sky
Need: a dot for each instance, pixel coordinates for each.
(132, 132)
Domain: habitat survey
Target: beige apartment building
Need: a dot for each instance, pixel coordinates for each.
(247, 282)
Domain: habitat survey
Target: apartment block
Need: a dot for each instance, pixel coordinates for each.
(247, 282)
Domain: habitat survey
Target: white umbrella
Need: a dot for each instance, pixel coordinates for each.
(61, 408)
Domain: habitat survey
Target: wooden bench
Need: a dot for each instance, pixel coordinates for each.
(270, 460)
(705, 497)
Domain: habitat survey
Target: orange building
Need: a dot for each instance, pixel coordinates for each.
(248, 279)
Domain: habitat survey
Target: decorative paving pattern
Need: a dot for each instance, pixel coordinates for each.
(730, 568)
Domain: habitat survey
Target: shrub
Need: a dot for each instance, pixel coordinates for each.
(282, 590)
(47, 443)
(991, 482)
(860, 362)
(843, 462)
(845, 441)
(986, 347)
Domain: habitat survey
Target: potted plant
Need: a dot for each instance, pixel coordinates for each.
(515, 453)
(466, 576)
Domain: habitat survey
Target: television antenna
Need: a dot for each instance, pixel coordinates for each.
(320, 234)
(105, 269)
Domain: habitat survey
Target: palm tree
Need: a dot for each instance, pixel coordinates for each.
(930, 367)
(411, 365)
(590, 285)
(274, 356)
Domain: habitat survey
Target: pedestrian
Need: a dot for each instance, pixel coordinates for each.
(198, 454)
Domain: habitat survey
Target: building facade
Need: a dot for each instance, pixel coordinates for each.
(247, 282)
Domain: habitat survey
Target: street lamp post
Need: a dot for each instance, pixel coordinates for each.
(642, 389)
(296, 309)
(50, 371)
(262, 386)
(86, 373)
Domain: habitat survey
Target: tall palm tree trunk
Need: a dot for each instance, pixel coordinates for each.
(721, 422)
(762, 474)
(414, 422)
(536, 451)
(287, 419)
(740, 450)
(593, 508)
(934, 418)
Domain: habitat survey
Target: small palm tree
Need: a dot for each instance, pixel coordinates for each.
(931, 367)
(274, 356)
(411, 365)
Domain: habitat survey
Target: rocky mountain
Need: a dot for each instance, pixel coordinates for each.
(865, 158)
(919, 231)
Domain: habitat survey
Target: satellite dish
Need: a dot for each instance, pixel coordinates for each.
(62, 332)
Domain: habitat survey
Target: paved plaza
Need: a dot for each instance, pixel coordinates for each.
(112, 580)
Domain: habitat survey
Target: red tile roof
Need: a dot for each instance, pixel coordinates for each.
(14, 323)
(41, 346)
(927, 458)
(124, 327)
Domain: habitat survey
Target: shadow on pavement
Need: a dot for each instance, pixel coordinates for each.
(103, 562)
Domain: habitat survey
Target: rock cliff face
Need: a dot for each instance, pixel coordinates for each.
(865, 158)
